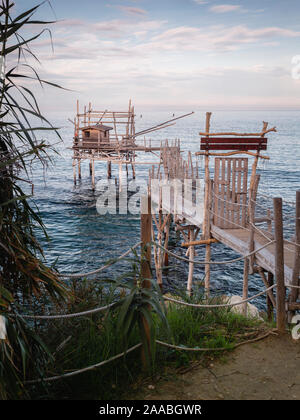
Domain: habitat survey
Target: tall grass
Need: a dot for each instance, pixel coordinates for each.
(94, 339)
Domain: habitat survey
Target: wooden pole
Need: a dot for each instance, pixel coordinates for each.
(206, 216)
(245, 285)
(79, 169)
(146, 227)
(270, 296)
(279, 265)
(270, 306)
(191, 263)
(252, 199)
(93, 174)
(108, 169)
(296, 268)
(74, 171)
(120, 177)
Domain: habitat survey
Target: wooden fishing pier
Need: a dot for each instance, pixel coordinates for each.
(232, 210)
(231, 201)
(111, 137)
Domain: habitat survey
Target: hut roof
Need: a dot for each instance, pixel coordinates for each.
(99, 127)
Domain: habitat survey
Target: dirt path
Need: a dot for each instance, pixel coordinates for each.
(268, 369)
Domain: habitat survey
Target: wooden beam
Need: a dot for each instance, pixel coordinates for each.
(233, 153)
(264, 132)
(200, 242)
(295, 306)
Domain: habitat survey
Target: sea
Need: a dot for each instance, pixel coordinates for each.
(82, 240)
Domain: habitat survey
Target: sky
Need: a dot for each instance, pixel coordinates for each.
(170, 54)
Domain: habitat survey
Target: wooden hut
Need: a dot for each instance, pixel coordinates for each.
(96, 135)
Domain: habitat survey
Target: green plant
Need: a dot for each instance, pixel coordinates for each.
(24, 277)
(141, 307)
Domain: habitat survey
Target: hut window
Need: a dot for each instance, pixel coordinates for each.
(87, 134)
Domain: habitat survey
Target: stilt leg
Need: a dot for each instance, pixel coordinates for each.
(245, 284)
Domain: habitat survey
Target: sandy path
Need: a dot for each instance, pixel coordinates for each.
(269, 369)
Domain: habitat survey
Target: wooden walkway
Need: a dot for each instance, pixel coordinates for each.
(238, 240)
(224, 210)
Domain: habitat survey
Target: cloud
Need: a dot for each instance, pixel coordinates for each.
(200, 1)
(133, 10)
(225, 8)
(216, 38)
(144, 58)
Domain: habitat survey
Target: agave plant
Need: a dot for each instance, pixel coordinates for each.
(24, 277)
(142, 307)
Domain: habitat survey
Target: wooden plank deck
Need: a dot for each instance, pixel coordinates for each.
(238, 240)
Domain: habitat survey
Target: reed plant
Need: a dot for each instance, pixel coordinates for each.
(25, 279)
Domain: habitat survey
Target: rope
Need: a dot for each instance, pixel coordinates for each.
(266, 237)
(172, 346)
(65, 316)
(77, 372)
(213, 262)
(74, 276)
(229, 202)
(223, 305)
(227, 220)
(293, 203)
(97, 365)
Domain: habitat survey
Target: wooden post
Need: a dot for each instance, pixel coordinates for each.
(296, 268)
(79, 169)
(74, 171)
(108, 169)
(206, 217)
(270, 306)
(245, 285)
(191, 263)
(90, 168)
(270, 296)
(120, 177)
(252, 199)
(133, 167)
(279, 266)
(146, 227)
(93, 174)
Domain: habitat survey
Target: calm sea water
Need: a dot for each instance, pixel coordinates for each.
(82, 240)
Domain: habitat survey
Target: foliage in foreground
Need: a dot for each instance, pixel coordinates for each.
(94, 339)
(25, 280)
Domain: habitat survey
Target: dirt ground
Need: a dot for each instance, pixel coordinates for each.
(265, 370)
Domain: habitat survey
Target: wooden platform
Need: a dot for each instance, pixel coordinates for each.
(238, 240)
